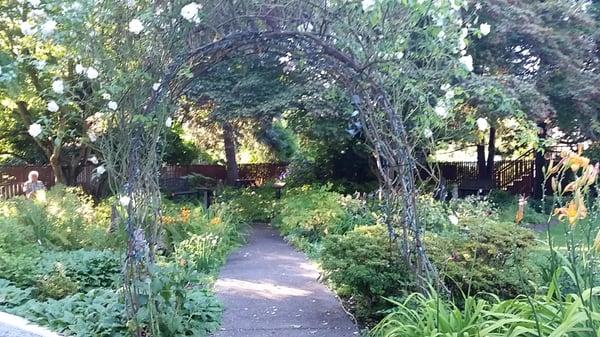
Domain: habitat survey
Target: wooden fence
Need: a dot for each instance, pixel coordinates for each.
(515, 176)
(12, 177)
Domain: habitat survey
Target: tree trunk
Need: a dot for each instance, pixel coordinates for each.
(491, 154)
(481, 166)
(59, 178)
(230, 152)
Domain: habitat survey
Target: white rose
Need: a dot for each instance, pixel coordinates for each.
(35, 130)
(52, 106)
(190, 11)
(100, 169)
(467, 61)
(485, 29)
(482, 124)
(169, 122)
(441, 109)
(124, 200)
(92, 73)
(48, 27)
(453, 219)
(93, 160)
(368, 5)
(80, 69)
(39, 64)
(427, 133)
(27, 28)
(136, 26)
(92, 136)
(58, 87)
(112, 105)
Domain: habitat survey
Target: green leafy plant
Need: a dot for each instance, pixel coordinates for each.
(487, 257)
(364, 264)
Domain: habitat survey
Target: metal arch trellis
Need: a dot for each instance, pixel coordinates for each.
(395, 161)
(272, 27)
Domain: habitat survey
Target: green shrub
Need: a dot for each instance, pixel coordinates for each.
(366, 265)
(487, 257)
(88, 268)
(56, 284)
(252, 204)
(312, 212)
(63, 217)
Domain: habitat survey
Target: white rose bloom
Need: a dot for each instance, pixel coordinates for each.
(48, 27)
(80, 69)
(34, 3)
(305, 27)
(112, 105)
(35, 130)
(92, 136)
(399, 55)
(136, 26)
(190, 11)
(156, 86)
(453, 219)
(169, 122)
(93, 160)
(124, 200)
(106, 96)
(27, 28)
(52, 106)
(441, 109)
(58, 87)
(368, 5)
(39, 64)
(482, 124)
(485, 29)
(92, 73)
(100, 169)
(427, 133)
(467, 61)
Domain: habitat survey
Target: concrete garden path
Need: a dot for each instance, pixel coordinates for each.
(14, 326)
(270, 289)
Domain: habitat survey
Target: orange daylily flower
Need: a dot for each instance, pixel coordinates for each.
(576, 162)
(574, 211)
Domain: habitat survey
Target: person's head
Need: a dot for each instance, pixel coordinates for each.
(33, 175)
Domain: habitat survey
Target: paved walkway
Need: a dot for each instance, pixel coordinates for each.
(269, 289)
(14, 326)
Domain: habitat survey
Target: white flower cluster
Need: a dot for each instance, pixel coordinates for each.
(190, 12)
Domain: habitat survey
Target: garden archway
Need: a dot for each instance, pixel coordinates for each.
(389, 61)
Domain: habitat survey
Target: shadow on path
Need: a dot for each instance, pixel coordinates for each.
(269, 289)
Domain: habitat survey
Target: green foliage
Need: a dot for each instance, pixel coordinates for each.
(365, 264)
(12, 296)
(421, 316)
(56, 284)
(63, 218)
(312, 212)
(87, 268)
(177, 151)
(489, 256)
(252, 205)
